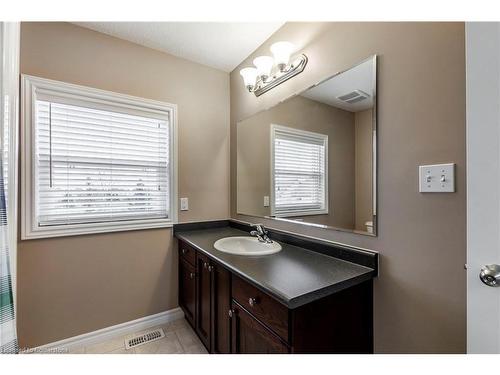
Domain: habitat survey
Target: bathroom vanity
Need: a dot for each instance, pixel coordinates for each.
(311, 297)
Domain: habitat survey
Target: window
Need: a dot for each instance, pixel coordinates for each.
(299, 172)
(95, 161)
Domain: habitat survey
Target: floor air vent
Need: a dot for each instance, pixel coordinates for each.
(144, 339)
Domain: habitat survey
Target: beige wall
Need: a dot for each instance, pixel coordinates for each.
(69, 286)
(363, 130)
(305, 114)
(421, 120)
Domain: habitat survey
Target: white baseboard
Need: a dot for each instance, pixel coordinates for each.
(108, 333)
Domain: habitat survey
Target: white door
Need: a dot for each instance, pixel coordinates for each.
(483, 183)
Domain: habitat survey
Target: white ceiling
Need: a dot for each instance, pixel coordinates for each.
(361, 77)
(221, 45)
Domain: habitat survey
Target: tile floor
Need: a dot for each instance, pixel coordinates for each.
(179, 338)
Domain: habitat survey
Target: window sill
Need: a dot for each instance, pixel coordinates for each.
(302, 213)
(93, 228)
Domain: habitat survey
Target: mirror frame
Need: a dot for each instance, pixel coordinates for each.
(373, 58)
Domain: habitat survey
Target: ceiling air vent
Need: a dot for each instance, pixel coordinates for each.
(354, 96)
(144, 338)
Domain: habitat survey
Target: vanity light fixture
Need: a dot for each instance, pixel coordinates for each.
(270, 72)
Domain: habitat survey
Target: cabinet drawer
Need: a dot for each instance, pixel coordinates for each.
(187, 253)
(269, 311)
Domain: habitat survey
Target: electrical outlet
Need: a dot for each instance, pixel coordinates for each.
(438, 178)
(184, 204)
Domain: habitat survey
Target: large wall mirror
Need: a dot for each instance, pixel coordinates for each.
(311, 159)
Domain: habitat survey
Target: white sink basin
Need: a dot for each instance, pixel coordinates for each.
(246, 246)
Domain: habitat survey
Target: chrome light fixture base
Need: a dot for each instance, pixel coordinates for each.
(296, 67)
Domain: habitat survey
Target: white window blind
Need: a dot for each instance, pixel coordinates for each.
(97, 165)
(299, 172)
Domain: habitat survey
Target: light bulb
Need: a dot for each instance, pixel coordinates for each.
(249, 77)
(282, 52)
(264, 66)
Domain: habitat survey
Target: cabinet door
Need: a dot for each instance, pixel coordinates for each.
(249, 336)
(187, 290)
(203, 289)
(221, 303)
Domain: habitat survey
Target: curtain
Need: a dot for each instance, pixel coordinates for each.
(8, 340)
(9, 73)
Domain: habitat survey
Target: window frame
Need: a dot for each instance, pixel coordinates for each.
(30, 85)
(309, 212)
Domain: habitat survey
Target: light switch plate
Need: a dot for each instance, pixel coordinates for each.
(184, 204)
(266, 200)
(437, 178)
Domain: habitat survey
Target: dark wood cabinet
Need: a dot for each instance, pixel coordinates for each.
(249, 336)
(341, 323)
(187, 290)
(221, 303)
(203, 299)
(232, 315)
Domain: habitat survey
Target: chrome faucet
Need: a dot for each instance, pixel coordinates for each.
(261, 233)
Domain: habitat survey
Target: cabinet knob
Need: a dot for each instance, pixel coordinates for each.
(183, 251)
(252, 301)
(230, 313)
(210, 268)
(192, 275)
(205, 265)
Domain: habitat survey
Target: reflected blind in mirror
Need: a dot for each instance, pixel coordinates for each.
(97, 165)
(299, 172)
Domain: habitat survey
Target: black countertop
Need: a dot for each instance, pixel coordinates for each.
(294, 276)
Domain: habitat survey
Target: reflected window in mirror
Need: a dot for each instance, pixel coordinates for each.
(298, 172)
